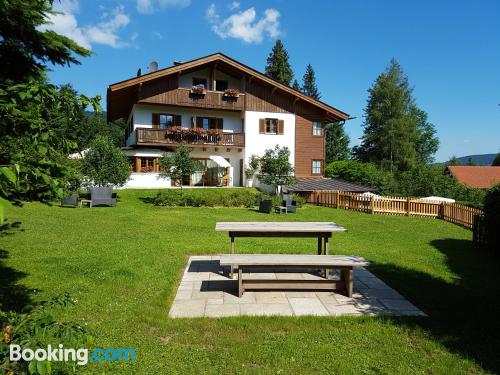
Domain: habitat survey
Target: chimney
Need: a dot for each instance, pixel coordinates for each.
(177, 63)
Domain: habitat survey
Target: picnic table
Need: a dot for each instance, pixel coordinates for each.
(320, 230)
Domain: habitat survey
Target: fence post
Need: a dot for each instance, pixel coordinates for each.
(337, 195)
(408, 206)
(372, 204)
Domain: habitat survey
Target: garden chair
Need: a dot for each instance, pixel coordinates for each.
(289, 203)
(266, 206)
(102, 196)
(71, 200)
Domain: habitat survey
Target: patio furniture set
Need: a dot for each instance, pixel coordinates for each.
(287, 205)
(98, 196)
(322, 261)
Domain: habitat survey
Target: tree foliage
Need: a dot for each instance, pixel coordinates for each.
(26, 46)
(275, 167)
(105, 164)
(178, 165)
(309, 86)
(32, 138)
(336, 142)
(396, 133)
(496, 161)
(278, 67)
(296, 85)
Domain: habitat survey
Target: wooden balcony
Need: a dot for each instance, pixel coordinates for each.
(166, 137)
(184, 98)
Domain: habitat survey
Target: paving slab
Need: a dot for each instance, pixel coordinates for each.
(206, 290)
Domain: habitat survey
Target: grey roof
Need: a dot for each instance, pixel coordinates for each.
(327, 184)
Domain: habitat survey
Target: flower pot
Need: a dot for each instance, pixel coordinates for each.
(250, 182)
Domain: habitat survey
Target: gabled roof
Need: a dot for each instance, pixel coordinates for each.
(189, 65)
(482, 177)
(313, 184)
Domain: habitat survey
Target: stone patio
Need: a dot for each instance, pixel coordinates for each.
(206, 290)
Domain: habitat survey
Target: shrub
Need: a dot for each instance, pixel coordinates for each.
(36, 329)
(208, 198)
(105, 164)
(492, 217)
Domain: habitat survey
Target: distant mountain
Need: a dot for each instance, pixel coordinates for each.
(484, 159)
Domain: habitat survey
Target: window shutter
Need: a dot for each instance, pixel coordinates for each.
(177, 120)
(262, 126)
(281, 125)
(193, 121)
(220, 125)
(199, 122)
(156, 120)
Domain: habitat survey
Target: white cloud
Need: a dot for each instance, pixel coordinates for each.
(234, 5)
(244, 25)
(157, 35)
(150, 6)
(104, 32)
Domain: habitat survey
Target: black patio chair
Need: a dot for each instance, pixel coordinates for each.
(266, 206)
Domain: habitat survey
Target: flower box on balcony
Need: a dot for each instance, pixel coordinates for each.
(231, 93)
(198, 90)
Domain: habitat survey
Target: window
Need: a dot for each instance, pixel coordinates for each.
(220, 85)
(209, 123)
(316, 166)
(148, 165)
(166, 121)
(317, 129)
(271, 126)
(200, 81)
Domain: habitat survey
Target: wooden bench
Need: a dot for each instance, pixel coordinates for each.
(244, 262)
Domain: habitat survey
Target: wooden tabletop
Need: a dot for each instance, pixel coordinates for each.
(284, 260)
(270, 227)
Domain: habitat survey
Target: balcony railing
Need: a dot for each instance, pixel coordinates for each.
(147, 136)
(184, 97)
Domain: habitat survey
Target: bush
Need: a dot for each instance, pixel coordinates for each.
(208, 198)
(36, 329)
(492, 217)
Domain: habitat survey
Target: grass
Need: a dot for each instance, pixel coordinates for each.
(123, 265)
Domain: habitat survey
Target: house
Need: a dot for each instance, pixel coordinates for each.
(482, 177)
(222, 109)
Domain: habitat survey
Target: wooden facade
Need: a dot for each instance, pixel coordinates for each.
(165, 137)
(308, 147)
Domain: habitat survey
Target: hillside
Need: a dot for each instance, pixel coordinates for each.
(483, 159)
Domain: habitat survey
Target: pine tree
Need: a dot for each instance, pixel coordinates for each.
(394, 128)
(336, 142)
(309, 86)
(453, 161)
(278, 67)
(296, 85)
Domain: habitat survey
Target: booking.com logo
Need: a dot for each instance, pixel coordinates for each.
(62, 354)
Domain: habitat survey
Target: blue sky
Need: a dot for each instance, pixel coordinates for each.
(449, 49)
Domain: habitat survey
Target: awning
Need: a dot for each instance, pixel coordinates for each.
(221, 162)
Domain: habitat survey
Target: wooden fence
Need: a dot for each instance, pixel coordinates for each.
(390, 205)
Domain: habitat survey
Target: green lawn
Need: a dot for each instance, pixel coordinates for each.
(123, 265)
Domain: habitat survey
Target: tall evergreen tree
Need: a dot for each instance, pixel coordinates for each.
(296, 85)
(278, 67)
(427, 142)
(336, 142)
(309, 86)
(391, 129)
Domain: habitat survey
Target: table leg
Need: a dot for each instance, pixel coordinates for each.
(325, 246)
(347, 277)
(240, 281)
(231, 249)
(320, 245)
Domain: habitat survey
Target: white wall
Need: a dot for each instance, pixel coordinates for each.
(146, 181)
(143, 117)
(256, 143)
(186, 80)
